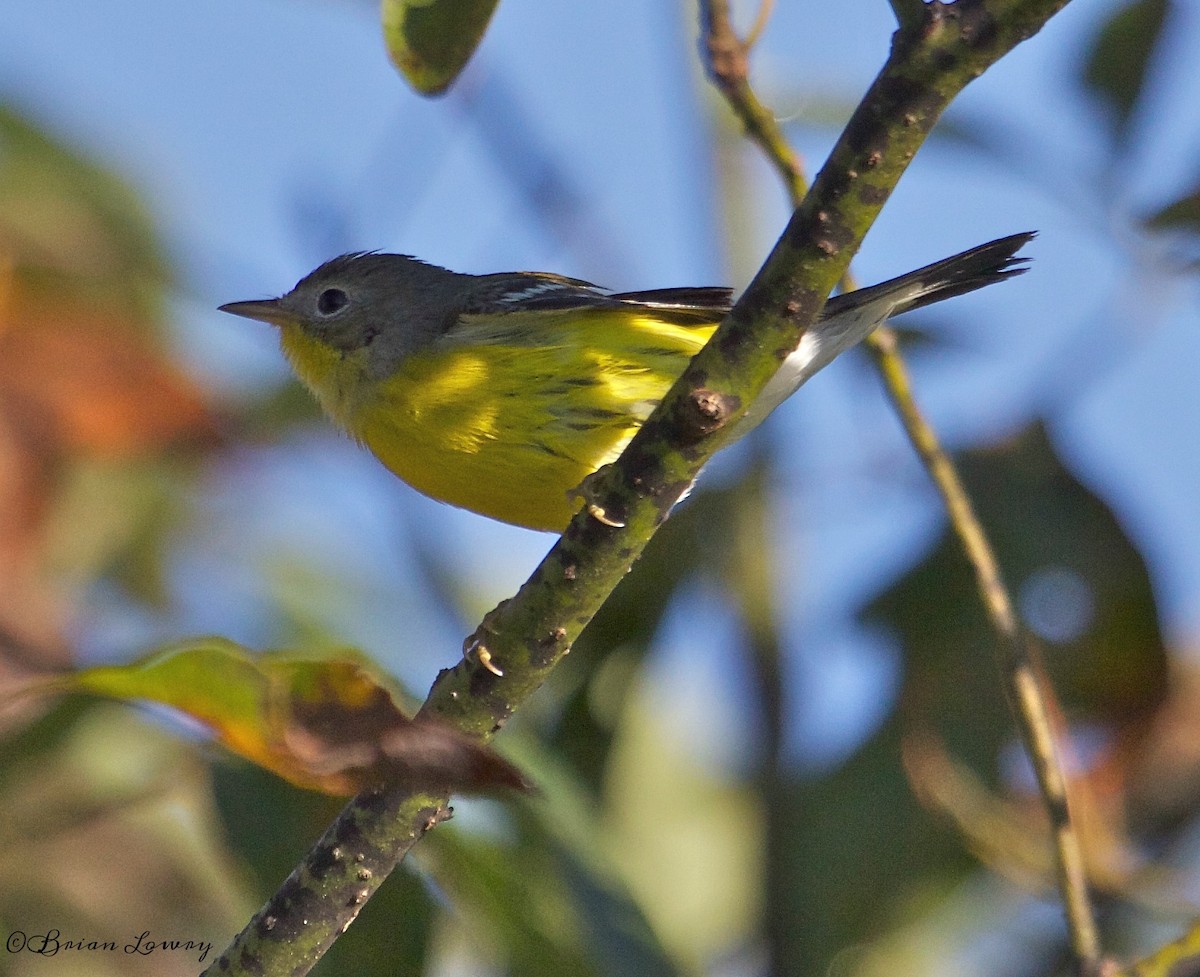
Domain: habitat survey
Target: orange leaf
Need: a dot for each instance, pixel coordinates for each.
(90, 380)
(326, 724)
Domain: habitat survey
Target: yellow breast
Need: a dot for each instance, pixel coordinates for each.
(507, 425)
(338, 380)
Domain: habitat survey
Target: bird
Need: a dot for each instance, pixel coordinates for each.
(501, 393)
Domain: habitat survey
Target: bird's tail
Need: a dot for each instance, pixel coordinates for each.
(848, 319)
(957, 275)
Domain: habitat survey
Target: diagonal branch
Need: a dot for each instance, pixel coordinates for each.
(933, 57)
(1030, 694)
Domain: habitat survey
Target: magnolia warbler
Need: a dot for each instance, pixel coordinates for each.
(502, 393)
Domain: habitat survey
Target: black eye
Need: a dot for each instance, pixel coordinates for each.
(332, 300)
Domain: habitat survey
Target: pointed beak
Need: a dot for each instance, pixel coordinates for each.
(264, 310)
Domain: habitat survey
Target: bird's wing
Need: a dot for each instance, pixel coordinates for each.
(528, 290)
(704, 298)
(532, 291)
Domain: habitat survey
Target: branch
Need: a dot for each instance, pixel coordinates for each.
(728, 64)
(1030, 694)
(931, 61)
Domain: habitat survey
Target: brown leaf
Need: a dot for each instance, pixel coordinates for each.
(326, 724)
(79, 378)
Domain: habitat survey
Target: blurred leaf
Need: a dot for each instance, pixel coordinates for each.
(81, 382)
(1011, 836)
(1079, 583)
(277, 411)
(617, 932)
(67, 219)
(1183, 214)
(540, 903)
(115, 519)
(431, 40)
(269, 846)
(696, 865)
(1119, 59)
(854, 850)
(859, 853)
(327, 724)
(83, 377)
(1163, 794)
(518, 905)
(93, 802)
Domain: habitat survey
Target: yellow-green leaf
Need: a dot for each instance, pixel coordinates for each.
(327, 724)
(431, 40)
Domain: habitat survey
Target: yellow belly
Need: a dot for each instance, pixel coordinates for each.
(507, 429)
(481, 430)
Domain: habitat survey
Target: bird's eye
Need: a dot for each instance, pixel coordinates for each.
(332, 300)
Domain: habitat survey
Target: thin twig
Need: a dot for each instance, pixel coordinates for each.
(727, 62)
(1029, 691)
(765, 8)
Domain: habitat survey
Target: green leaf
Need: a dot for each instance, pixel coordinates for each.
(520, 908)
(1116, 65)
(858, 857)
(324, 723)
(541, 896)
(102, 804)
(73, 221)
(431, 40)
(1080, 583)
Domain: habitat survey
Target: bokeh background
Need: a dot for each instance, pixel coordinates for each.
(783, 746)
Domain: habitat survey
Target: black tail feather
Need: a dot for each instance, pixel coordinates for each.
(956, 275)
(704, 297)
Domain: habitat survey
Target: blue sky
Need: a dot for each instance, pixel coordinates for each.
(268, 135)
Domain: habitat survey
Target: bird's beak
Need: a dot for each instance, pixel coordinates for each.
(264, 310)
